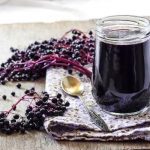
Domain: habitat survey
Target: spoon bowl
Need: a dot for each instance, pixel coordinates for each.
(72, 86)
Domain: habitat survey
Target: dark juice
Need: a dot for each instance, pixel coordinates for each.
(121, 76)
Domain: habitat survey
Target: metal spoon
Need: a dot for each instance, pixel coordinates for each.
(73, 86)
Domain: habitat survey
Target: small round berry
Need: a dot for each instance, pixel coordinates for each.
(47, 95)
(45, 98)
(27, 92)
(60, 113)
(70, 71)
(59, 95)
(60, 100)
(4, 97)
(31, 93)
(67, 104)
(3, 82)
(13, 120)
(50, 113)
(90, 33)
(31, 114)
(6, 122)
(43, 111)
(2, 65)
(63, 108)
(27, 111)
(54, 100)
(43, 92)
(2, 115)
(16, 116)
(74, 37)
(32, 89)
(13, 93)
(38, 103)
(74, 31)
(80, 74)
(22, 130)
(18, 85)
(30, 107)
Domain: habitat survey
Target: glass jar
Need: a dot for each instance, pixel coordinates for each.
(121, 68)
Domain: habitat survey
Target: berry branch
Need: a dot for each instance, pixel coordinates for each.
(72, 51)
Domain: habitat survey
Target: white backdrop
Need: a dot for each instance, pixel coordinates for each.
(55, 10)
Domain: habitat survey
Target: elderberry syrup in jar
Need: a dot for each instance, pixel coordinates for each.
(121, 68)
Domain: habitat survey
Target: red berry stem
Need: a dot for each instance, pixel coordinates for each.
(14, 105)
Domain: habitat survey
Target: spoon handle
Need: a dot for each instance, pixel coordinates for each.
(96, 118)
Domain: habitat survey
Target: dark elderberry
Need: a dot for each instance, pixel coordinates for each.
(1, 124)
(2, 65)
(59, 95)
(3, 82)
(45, 98)
(11, 49)
(13, 120)
(18, 85)
(30, 115)
(74, 32)
(4, 97)
(43, 111)
(27, 92)
(22, 130)
(90, 33)
(2, 115)
(28, 109)
(16, 116)
(44, 92)
(80, 74)
(62, 108)
(2, 119)
(6, 122)
(32, 89)
(60, 100)
(40, 102)
(46, 95)
(70, 71)
(54, 100)
(13, 93)
(8, 130)
(38, 114)
(67, 104)
(31, 93)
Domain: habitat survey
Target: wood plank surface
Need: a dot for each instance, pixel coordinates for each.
(20, 35)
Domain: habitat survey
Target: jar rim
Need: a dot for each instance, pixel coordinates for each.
(140, 27)
(122, 17)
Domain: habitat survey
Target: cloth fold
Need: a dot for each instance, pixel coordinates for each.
(76, 123)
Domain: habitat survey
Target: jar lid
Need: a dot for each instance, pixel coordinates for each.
(123, 29)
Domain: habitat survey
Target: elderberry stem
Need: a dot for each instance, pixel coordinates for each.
(14, 105)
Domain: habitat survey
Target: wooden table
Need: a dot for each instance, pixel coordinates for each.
(20, 35)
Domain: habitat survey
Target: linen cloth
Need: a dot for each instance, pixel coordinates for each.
(76, 123)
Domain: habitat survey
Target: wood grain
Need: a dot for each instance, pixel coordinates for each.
(20, 35)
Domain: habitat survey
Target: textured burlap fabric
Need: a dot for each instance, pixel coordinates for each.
(76, 123)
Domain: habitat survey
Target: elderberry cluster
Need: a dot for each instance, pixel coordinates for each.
(35, 114)
(72, 52)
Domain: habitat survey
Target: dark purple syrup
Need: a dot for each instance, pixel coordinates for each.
(121, 76)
